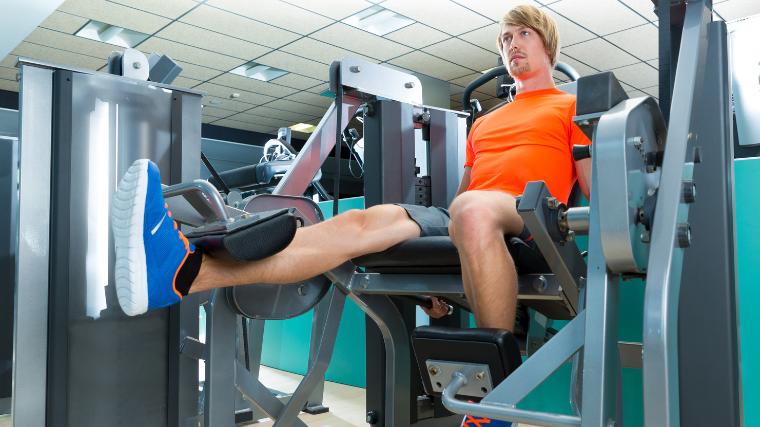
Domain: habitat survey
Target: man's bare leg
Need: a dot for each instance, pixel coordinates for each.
(315, 249)
(479, 220)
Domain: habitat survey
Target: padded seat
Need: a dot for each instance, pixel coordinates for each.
(438, 255)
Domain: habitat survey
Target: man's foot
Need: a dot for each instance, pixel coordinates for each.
(150, 250)
(470, 421)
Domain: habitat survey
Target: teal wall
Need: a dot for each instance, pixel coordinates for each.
(747, 177)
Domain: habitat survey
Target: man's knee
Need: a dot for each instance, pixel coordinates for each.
(471, 220)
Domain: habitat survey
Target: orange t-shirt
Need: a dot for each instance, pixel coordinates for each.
(529, 139)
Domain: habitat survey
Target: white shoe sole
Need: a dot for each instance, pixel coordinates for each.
(127, 212)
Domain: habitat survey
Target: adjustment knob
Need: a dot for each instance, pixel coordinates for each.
(581, 152)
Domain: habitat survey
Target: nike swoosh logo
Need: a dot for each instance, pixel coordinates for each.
(155, 229)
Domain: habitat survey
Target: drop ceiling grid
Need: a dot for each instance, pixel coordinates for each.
(476, 11)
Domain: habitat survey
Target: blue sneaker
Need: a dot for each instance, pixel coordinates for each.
(470, 421)
(150, 250)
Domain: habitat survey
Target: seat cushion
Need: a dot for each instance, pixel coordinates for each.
(438, 255)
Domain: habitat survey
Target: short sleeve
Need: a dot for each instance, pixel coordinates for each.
(577, 137)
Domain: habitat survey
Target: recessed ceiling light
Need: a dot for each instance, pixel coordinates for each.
(303, 127)
(111, 34)
(378, 20)
(258, 71)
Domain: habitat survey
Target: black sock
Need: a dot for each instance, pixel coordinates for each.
(189, 271)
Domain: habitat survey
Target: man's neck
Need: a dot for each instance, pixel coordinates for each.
(537, 81)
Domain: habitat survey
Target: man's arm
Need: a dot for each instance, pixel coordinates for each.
(465, 181)
(583, 169)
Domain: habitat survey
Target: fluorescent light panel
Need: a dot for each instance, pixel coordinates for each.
(111, 34)
(378, 20)
(258, 71)
(303, 127)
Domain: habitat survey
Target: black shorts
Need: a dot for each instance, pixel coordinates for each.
(433, 221)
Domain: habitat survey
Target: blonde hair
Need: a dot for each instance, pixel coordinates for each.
(537, 20)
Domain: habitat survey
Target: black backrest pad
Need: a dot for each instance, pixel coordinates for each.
(261, 239)
(494, 347)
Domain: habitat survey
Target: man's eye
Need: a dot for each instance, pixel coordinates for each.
(525, 33)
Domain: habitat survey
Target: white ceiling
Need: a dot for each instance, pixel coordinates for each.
(452, 40)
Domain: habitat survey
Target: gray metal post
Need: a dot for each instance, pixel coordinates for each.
(447, 142)
(601, 364)
(709, 374)
(8, 231)
(660, 332)
(221, 332)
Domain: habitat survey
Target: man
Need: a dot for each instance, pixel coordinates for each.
(526, 140)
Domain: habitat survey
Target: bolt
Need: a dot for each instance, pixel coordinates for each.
(371, 417)
(355, 69)
(480, 375)
(136, 65)
(683, 235)
(570, 236)
(645, 236)
(552, 203)
(637, 141)
(688, 191)
(409, 85)
(585, 123)
(433, 370)
(302, 290)
(540, 284)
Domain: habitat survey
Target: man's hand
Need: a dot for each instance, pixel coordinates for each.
(438, 308)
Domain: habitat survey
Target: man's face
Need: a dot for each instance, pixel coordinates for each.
(522, 50)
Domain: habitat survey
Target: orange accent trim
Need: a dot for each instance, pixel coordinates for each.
(187, 248)
(169, 213)
(470, 421)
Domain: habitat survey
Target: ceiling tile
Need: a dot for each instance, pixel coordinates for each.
(70, 43)
(641, 41)
(490, 103)
(9, 85)
(600, 54)
(311, 99)
(226, 92)
(196, 72)
(208, 119)
(239, 26)
(423, 63)
(213, 41)
(736, 9)
(455, 105)
(190, 54)
(581, 68)
(57, 56)
(359, 41)
(9, 61)
(494, 10)
(320, 51)
(635, 93)
(653, 91)
(236, 124)
(170, 9)
(64, 22)
(463, 53)
(185, 82)
(211, 111)
(115, 14)
(318, 89)
(253, 85)
(489, 88)
(603, 17)
(8, 73)
(655, 63)
(569, 32)
(288, 62)
(417, 35)
(275, 12)
(484, 37)
(297, 81)
(456, 90)
(643, 7)
(637, 75)
(224, 103)
(260, 120)
(443, 15)
(275, 113)
(297, 107)
(335, 9)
